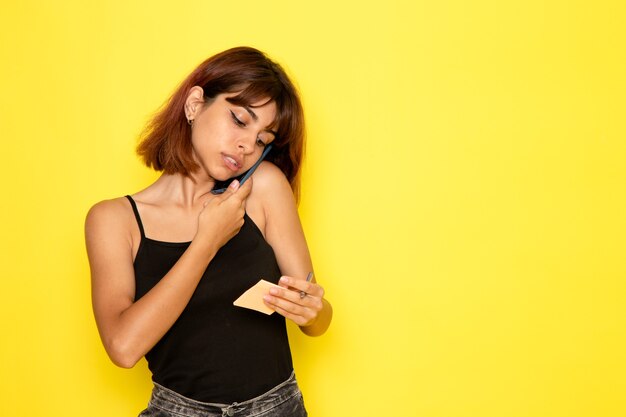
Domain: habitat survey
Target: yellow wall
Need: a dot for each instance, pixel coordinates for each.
(464, 195)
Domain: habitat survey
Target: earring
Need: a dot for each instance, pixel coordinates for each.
(190, 121)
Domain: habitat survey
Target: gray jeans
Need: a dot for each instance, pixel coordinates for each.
(284, 400)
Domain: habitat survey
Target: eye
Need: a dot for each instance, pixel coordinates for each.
(236, 120)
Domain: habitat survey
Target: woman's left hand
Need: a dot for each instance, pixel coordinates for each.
(298, 300)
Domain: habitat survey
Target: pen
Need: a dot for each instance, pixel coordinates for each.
(308, 279)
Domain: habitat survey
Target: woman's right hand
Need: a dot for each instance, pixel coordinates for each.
(222, 216)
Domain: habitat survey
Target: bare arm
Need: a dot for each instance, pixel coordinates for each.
(129, 329)
(284, 233)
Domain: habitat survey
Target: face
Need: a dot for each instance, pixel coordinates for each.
(228, 139)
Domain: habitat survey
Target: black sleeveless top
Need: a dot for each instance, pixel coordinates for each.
(216, 352)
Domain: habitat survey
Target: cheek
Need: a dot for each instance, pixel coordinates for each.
(201, 137)
(211, 134)
(201, 148)
(196, 144)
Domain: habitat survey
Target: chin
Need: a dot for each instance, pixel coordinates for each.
(223, 177)
(218, 174)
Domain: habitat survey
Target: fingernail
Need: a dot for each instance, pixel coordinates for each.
(267, 298)
(284, 280)
(234, 184)
(273, 291)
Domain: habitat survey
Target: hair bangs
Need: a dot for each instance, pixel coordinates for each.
(259, 94)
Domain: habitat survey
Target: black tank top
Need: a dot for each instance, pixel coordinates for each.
(216, 352)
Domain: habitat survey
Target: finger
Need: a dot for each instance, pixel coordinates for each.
(311, 302)
(283, 283)
(230, 190)
(244, 189)
(299, 314)
(305, 286)
(299, 320)
(232, 187)
(284, 303)
(238, 192)
(208, 198)
(220, 198)
(287, 294)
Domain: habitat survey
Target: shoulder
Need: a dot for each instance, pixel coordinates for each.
(108, 209)
(109, 216)
(269, 178)
(271, 195)
(271, 187)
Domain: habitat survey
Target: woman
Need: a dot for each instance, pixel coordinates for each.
(168, 262)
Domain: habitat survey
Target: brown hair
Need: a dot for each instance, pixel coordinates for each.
(166, 141)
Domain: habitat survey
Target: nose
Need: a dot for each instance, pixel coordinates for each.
(246, 144)
(243, 148)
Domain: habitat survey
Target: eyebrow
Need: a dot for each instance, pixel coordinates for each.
(255, 117)
(253, 114)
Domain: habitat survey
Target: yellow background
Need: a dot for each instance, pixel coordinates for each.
(464, 195)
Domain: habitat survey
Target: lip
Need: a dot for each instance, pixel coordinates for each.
(232, 162)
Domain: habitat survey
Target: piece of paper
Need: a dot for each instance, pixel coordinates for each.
(253, 297)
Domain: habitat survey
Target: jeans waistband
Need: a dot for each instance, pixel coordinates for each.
(175, 403)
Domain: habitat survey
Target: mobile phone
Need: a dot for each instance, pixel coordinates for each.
(221, 186)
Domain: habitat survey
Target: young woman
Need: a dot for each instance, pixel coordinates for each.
(168, 262)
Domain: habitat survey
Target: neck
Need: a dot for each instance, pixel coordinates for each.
(183, 191)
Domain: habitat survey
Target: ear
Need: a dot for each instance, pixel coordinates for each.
(194, 102)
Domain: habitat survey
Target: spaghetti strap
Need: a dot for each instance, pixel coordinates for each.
(139, 223)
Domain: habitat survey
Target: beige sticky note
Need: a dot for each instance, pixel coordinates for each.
(253, 297)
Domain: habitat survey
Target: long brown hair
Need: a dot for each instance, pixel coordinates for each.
(165, 143)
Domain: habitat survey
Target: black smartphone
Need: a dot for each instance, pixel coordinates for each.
(221, 186)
